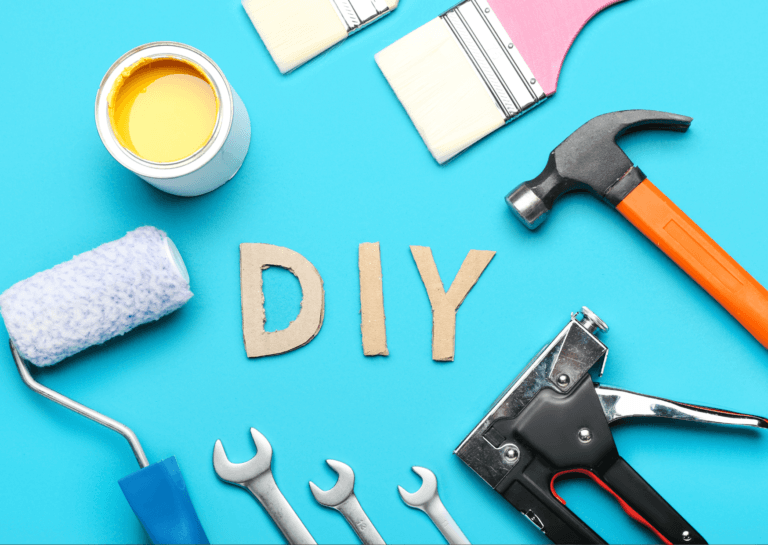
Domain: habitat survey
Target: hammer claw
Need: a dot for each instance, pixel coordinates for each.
(591, 160)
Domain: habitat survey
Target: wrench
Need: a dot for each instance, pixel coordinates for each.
(255, 475)
(342, 498)
(427, 500)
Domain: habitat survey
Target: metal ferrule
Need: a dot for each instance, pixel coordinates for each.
(493, 54)
(356, 14)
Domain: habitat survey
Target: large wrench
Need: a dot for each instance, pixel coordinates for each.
(427, 500)
(255, 475)
(342, 498)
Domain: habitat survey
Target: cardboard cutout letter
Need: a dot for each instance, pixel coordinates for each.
(254, 258)
(445, 305)
(372, 319)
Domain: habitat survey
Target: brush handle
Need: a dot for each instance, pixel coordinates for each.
(657, 217)
(159, 498)
(543, 31)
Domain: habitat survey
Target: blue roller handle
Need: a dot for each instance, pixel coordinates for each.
(159, 497)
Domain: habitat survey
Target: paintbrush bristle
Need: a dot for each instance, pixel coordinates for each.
(444, 96)
(295, 31)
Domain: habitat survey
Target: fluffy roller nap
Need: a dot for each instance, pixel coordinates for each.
(96, 296)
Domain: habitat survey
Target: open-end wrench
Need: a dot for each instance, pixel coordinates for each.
(427, 500)
(255, 475)
(342, 498)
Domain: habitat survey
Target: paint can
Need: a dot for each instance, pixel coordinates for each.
(199, 169)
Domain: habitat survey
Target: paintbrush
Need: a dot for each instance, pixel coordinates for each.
(482, 64)
(296, 31)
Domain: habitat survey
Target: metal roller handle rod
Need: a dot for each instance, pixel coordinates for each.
(72, 405)
(361, 524)
(266, 491)
(445, 523)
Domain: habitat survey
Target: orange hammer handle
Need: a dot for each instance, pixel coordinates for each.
(681, 239)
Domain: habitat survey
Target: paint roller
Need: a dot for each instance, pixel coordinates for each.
(86, 301)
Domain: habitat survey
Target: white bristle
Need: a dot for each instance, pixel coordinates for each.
(442, 92)
(295, 31)
(95, 296)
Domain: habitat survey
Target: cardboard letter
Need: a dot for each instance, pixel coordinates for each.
(445, 305)
(254, 258)
(372, 319)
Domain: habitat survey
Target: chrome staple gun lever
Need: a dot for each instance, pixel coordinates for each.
(553, 420)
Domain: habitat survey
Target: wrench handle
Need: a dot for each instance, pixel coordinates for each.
(445, 523)
(359, 521)
(659, 219)
(266, 491)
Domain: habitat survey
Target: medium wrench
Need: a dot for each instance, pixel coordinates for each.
(255, 475)
(427, 500)
(342, 498)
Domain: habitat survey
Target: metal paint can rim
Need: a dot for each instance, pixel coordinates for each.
(224, 118)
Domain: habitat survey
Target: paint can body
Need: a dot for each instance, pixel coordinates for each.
(207, 168)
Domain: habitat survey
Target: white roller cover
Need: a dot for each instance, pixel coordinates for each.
(96, 296)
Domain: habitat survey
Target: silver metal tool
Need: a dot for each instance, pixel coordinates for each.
(342, 498)
(553, 420)
(255, 475)
(427, 500)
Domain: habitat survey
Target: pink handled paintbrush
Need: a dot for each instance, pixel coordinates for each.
(482, 64)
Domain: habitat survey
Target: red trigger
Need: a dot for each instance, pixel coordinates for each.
(624, 505)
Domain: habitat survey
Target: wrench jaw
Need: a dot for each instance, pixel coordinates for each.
(425, 494)
(342, 498)
(341, 491)
(240, 474)
(427, 500)
(255, 475)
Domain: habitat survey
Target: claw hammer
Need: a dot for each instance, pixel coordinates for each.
(591, 160)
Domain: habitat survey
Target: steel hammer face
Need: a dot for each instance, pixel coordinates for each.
(591, 160)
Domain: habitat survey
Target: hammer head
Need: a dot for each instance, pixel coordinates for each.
(590, 160)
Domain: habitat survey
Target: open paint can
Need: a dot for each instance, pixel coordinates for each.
(165, 111)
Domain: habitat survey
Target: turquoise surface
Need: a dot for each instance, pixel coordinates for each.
(335, 161)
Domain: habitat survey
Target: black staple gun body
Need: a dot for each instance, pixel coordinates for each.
(553, 420)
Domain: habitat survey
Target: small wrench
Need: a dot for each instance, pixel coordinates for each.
(342, 498)
(255, 475)
(427, 500)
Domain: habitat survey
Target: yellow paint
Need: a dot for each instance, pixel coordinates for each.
(163, 110)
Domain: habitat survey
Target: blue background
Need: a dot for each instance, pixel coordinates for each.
(335, 161)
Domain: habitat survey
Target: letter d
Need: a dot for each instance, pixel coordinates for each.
(254, 258)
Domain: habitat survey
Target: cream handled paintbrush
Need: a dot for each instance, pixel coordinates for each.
(296, 31)
(482, 64)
